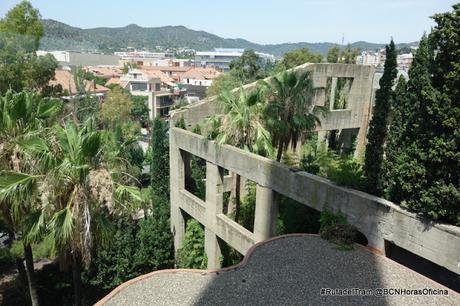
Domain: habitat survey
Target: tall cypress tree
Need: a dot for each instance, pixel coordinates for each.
(423, 159)
(160, 161)
(379, 124)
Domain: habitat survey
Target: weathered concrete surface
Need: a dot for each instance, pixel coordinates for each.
(289, 270)
(356, 115)
(376, 218)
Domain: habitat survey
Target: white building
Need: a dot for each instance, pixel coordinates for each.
(404, 60)
(371, 58)
(160, 98)
(222, 57)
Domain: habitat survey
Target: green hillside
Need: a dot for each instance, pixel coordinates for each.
(60, 36)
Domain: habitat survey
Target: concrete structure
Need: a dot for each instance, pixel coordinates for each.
(380, 221)
(221, 57)
(355, 116)
(81, 59)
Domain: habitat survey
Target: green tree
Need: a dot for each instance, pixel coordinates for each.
(21, 115)
(192, 255)
(160, 161)
(25, 20)
(290, 110)
(117, 107)
(247, 67)
(333, 55)
(379, 124)
(115, 263)
(424, 164)
(241, 124)
(20, 33)
(155, 241)
(140, 110)
(78, 193)
(298, 57)
(348, 55)
(224, 82)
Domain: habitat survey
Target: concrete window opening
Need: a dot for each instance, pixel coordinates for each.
(295, 217)
(244, 212)
(192, 254)
(342, 92)
(230, 256)
(337, 92)
(195, 176)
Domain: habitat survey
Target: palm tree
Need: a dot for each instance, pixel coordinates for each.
(21, 115)
(290, 110)
(78, 193)
(241, 124)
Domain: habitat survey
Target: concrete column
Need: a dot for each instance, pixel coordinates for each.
(266, 214)
(214, 206)
(333, 89)
(177, 183)
(212, 249)
(151, 105)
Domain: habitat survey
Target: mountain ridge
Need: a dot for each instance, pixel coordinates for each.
(61, 36)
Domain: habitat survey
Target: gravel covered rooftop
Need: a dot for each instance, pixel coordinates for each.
(288, 270)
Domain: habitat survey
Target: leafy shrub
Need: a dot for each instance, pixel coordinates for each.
(41, 250)
(192, 254)
(349, 173)
(113, 264)
(335, 228)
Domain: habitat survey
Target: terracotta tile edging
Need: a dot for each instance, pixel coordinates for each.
(245, 261)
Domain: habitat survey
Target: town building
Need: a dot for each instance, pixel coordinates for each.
(222, 57)
(159, 89)
(197, 80)
(144, 58)
(69, 58)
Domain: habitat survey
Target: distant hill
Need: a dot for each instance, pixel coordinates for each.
(60, 36)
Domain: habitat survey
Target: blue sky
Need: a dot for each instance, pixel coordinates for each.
(262, 21)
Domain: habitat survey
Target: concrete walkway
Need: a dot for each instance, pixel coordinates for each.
(289, 270)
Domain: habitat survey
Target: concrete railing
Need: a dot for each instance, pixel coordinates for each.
(378, 219)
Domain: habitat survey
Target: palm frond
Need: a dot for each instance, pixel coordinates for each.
(16, 186)
(61, 226)
(34, 226)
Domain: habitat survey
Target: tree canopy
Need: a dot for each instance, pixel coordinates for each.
(298, 57)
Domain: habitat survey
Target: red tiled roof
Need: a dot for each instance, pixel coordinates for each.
(201, 73)
(66, 79)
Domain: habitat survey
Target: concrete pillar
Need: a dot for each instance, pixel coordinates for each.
(151, 105)
(332, 97)
(177, 183)
(266, 214)
(212, 249)
(214, 206)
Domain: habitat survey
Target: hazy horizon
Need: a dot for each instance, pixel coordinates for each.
(262, 22)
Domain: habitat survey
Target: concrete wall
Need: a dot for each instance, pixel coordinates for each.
(88, 59)
(379, 220)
